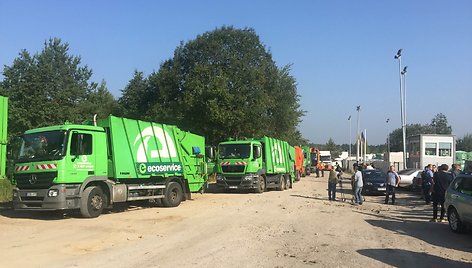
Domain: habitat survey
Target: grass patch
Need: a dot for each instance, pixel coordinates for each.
(6, 189)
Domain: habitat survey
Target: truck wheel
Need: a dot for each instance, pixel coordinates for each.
(455, 222)
(297, 178)
(92, 202)
(261, 185)
(173, 195)
(282, 184)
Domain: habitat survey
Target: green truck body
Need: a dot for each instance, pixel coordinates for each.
(90, 167)
(255, 164)
(3, 134)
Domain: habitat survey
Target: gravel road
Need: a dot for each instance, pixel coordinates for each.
(293, 228)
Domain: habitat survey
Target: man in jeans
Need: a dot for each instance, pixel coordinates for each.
(427, 183)
(392, 182)
(357, 184)
(332, 181)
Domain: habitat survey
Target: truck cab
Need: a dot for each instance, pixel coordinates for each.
(53, 163)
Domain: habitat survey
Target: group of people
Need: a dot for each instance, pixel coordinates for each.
(435, 181)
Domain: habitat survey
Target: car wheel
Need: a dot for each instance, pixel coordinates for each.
(455, 222)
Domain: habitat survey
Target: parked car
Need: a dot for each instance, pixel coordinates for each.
(407, 176)
(374, 181)
(459, 203)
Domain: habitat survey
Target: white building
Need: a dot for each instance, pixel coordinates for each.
(433, 149)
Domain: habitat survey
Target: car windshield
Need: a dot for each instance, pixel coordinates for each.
(407, 171)
(234, 151)
(373, 175)
(42, 146)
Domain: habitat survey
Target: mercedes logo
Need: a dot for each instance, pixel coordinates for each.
(33, 179)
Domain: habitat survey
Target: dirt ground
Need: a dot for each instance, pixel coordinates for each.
(293, 228)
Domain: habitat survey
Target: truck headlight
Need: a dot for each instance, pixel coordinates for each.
(53, 192)
(219, 177)
(369, 183)
(15, 194)
(248, 177)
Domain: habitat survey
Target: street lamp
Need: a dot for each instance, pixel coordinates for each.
(404, 94)
(388, 140)
(402, 112)
(358, 137)
(350, 135)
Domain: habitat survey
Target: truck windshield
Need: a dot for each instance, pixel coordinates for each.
(234, 151)
(325, 158)
(42, 146)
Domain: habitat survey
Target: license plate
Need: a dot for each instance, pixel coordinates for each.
(32, 194)
(381, 189)
(233, 187)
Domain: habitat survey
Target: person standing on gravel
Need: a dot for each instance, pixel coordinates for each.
(427, 183)
(357, 184)
(332, 181)
(441, 181)
(392, 180)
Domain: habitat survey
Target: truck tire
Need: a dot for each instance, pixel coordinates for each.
(173, 195)
(260, 185)
(297, 177)
(92, 202)
(282, 185)
(289, 182)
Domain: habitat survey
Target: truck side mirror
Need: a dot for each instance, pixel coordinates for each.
(210, 152)
(257, 152)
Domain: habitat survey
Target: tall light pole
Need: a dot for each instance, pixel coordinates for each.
(350, 135)
(404, 94)
(358, 137)
(402, 113)
(388, 140)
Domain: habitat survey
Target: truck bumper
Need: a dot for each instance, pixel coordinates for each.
(57, 197)
(244, 182)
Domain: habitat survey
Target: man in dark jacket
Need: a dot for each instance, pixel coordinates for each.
(441, 181)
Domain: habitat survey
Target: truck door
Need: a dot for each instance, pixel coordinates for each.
(82, 158)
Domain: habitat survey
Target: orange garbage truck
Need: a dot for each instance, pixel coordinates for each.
(299, 159)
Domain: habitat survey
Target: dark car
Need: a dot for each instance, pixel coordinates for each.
(374, 181)
(459, 203)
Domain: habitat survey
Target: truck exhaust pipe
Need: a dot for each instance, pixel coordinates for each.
(95, 120)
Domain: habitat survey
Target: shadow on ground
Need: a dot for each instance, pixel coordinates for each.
(405, 258)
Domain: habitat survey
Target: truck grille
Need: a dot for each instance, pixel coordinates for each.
(35, 180)
(233, 168)
(233, 181)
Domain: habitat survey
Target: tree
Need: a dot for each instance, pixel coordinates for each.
(50, 87)
(439, 125)
(465, 143)
(222, 84)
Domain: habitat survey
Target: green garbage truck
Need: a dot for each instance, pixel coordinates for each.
(255, 164)
(3, 134)
(90, 167)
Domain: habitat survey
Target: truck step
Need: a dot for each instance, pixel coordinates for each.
(145, 197)
(145, 187)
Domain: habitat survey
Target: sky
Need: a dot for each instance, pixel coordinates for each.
(341, 52)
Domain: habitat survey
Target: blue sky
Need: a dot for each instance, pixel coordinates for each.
(341, 51)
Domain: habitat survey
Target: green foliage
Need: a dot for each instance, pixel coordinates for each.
(49, 88)
(438, 125)
(6, 189)
(465, 143)
(222, 84)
